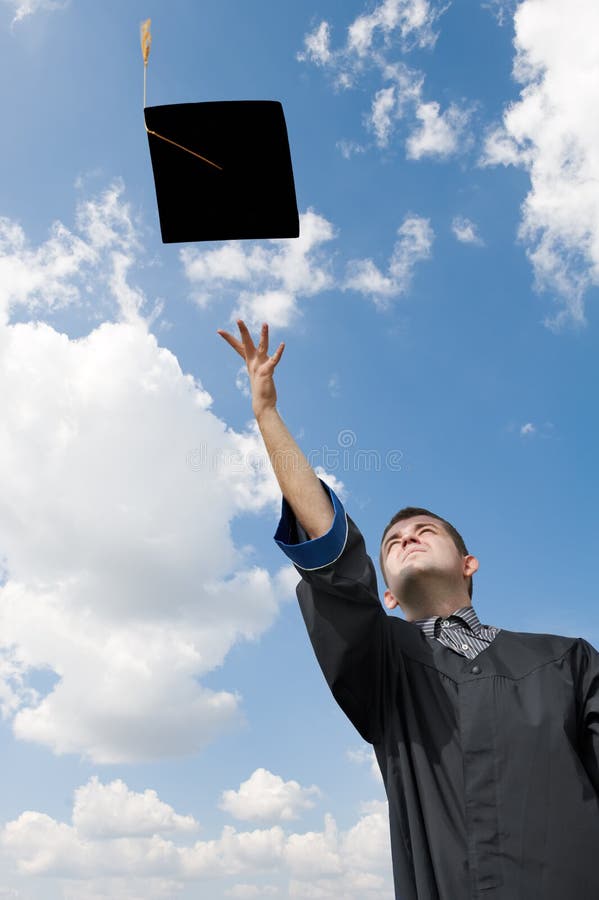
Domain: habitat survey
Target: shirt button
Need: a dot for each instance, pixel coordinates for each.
(475, 670)
(444, 624)
(464, 646)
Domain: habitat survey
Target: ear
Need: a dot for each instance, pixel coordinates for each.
(390, 601)
(470, 565)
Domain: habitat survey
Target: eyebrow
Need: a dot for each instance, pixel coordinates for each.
(398, 533)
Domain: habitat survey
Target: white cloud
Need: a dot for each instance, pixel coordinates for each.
(503, 10)
(381, 115)
(249, 891)
(372, 39)
(350, 148)
(86, 267)
(24, 8)
(278, 308)
(113, 811)
(400, 99)
(366, 843)
(414, 242)
(409, 23)
(439, 134)
(543, 430)
(466, 231)
(266, 797)
(366, 887)
(501, 148)
(90, 590)
(266, 278)
(364, 276)
(317, 46)
(552, 131)
(314, 854)
(130, 887)
(96, 857)
(119, 487)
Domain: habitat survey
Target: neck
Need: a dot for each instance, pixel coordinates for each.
(444, 610)
(434, 601)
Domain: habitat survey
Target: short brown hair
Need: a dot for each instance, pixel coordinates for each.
(406, 513)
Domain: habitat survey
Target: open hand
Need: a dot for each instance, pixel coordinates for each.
(260, 365)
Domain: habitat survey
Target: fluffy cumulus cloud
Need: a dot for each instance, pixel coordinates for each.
(85, 266)
(372, 43)
(112, 811)
(120, 841)
(266, 279)
(266, 797)
(119, 485)
(413, 245)
(439, 134)
(552, 132)
(466, 231)
(410, 23)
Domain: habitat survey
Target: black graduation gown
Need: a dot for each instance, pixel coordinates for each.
(490, 765)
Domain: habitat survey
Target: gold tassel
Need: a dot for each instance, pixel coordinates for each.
(146, 39)
(146, 43)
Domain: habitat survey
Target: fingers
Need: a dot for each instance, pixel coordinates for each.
(278, 353)
(246, 338)
(232, 341)
(246, 347)
(263, 345)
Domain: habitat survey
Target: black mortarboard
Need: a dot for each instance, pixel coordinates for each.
(242, 187)
(222, 170)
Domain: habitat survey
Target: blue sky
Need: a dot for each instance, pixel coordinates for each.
(165, 729)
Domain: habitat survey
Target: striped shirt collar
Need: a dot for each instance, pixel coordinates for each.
(465, 617)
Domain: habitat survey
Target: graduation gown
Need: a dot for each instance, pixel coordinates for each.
(491, 765)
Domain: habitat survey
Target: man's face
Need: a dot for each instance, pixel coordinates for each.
(416, 548)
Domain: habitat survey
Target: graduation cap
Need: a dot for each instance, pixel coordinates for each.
(222, 170)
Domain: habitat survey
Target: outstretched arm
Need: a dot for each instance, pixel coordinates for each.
(298, 482)
(337, 593)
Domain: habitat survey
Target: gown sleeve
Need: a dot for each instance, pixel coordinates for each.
(589, 705)
(347, 626)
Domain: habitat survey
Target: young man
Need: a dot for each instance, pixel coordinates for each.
(487, 739)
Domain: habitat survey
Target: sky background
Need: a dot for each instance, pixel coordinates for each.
(165, 729)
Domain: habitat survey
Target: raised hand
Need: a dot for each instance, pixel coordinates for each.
(260, 365)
